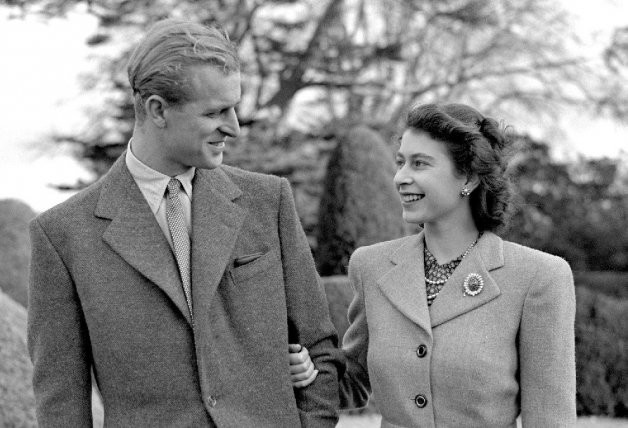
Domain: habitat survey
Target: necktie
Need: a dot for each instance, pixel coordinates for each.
(180, 237)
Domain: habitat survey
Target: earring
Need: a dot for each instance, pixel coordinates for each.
(465, 192)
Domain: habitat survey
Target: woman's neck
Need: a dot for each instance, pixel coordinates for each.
(447, 242)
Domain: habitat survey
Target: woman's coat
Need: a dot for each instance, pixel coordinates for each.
(466, 361)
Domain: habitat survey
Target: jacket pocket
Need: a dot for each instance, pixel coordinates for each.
(250, 265)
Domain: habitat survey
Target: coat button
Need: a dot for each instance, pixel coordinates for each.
(420, 401)
(211, 401)
(421, 351)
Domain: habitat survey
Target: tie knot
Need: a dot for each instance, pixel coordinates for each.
(173, 186)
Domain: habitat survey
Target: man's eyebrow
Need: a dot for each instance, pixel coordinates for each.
(221, 107)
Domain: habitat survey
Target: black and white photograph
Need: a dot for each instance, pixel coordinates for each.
(314, 213)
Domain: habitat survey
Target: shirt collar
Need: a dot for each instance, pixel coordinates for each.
(153, 183)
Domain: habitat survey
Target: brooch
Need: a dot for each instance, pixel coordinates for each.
(473, 284)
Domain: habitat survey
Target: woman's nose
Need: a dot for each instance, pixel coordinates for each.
(401, 177)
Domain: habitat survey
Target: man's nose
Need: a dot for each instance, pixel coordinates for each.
(231, 126)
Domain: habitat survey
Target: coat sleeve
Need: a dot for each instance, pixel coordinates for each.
(309, 322)
(57, 339)
(547, 349)
(354, 385)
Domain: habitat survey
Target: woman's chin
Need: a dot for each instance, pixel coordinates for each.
(412, 218)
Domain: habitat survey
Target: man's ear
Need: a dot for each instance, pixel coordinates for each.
(155, 110)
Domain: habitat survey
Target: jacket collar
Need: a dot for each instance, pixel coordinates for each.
(404, 284)
(486, 256)
(135, 235)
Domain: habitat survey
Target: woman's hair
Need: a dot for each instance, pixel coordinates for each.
(476, 145)
(159, 64)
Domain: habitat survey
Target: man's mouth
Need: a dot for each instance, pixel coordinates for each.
(412, 197)
(219, 144)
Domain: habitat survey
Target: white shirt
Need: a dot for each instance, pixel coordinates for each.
(153, 186)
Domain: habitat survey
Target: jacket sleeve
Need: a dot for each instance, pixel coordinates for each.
(57, 339)
(547, 349)
(355, 387)
(309, 322)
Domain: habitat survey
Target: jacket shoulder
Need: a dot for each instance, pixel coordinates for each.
(520, 255)
(381, 249)
(254, 184)
(239, 175)
(83, 201)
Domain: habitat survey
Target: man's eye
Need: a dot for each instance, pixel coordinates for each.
(399, 163)
(418, 163)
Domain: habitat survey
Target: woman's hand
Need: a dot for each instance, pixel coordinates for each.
(302, 370)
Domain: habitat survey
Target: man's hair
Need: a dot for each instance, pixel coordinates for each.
(476, 145)
(160, 62)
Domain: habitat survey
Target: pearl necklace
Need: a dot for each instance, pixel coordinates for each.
(444, 271)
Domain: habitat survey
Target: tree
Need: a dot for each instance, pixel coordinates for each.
(360, 205)
(616, 58)
(357, 59)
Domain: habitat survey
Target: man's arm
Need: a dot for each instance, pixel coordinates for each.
(309, 323)
(57, 339)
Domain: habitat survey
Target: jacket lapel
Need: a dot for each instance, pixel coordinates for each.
(404, 284)
(451, 301)
(216, 222)
(135, 235)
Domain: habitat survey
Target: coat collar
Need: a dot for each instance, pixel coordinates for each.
(216, 223)
(404, 284)
(135, 235)
(487, 255)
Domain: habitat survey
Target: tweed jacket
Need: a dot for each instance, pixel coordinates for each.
(464, 361)
(106, 296)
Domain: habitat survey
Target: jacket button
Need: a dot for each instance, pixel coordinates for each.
(420, 401)
(421, 351)
(211, 401)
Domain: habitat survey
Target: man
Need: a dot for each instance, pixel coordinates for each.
(178, 281)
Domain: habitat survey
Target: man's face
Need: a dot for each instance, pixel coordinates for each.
(195, 132)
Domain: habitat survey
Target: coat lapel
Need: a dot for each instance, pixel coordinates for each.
(404, 284)
(451, 301)
(135, 235)
(216, 222)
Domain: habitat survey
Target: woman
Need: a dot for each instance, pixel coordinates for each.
(454, 326)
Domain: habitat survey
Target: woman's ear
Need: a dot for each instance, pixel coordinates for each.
(155, 110)
(473, 181)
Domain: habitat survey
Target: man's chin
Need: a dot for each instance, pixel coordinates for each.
(212, 163)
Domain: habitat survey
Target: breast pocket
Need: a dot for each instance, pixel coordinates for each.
(250, 265)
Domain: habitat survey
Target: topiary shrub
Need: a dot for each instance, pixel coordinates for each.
(601, 354)
(359, 205)
(17, 403)
(15, 249)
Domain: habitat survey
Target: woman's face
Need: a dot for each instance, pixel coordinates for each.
(427, 181)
